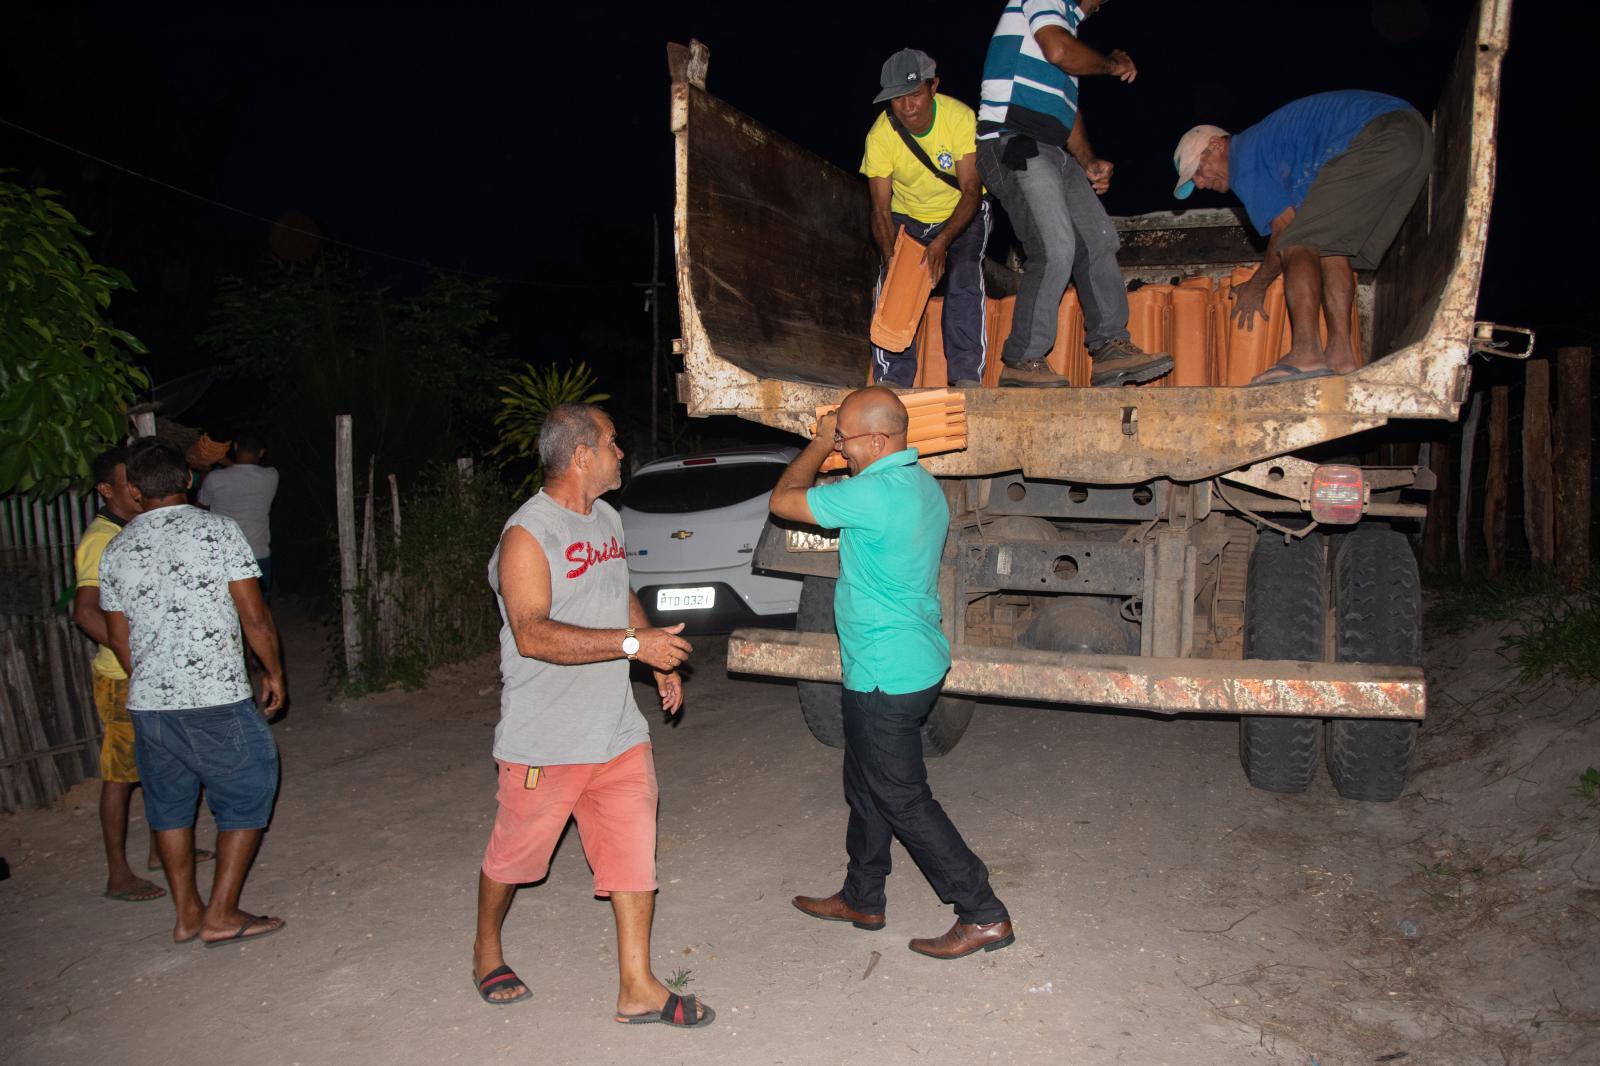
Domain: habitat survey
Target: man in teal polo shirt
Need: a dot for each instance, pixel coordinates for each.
(892, 519)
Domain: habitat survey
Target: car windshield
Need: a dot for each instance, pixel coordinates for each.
(699, 488)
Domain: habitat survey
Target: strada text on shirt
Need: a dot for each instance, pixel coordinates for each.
(586, 555)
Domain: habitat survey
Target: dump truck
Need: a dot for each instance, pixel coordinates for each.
(1191, 549)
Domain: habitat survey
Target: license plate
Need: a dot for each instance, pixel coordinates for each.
(803, 540)
(695, 599)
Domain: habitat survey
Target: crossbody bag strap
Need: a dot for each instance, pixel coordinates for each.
(916, 150)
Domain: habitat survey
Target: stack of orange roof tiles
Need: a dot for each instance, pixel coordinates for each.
(938, 423)
(1192, 319)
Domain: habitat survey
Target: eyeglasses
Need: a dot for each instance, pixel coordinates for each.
(839, 441)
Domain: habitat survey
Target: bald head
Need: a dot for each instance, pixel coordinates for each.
(876, 409)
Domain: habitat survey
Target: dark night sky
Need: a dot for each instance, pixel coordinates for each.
(531, 143)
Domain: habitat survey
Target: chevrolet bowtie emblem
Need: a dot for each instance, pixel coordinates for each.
(683, 534)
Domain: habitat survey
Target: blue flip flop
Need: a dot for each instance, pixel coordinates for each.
(1282, 372)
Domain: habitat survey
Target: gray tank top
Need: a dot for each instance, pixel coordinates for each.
(552, 715)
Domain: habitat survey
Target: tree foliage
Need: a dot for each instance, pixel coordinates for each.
(66, 374)
(305, 342)
(527, 399)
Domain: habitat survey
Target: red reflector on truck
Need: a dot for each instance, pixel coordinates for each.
(1338, 494)
(699, 462)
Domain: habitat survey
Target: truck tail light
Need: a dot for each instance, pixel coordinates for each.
(1338, 494)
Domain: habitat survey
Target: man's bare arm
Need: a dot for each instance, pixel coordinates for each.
(1250, 298)
(960, 218)
(117, 639)
(1061, 49)
(882, 190)
(87, 614)
(1097, 170)
(525, 587)
(262, 636)
(788, 499)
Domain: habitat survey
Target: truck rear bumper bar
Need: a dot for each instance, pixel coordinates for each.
(1167, 686)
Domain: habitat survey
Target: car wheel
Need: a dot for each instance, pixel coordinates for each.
(822, 703)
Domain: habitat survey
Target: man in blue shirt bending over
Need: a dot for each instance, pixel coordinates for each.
(1331, 177)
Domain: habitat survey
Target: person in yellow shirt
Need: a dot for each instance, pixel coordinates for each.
(921, 168)
(118, 771)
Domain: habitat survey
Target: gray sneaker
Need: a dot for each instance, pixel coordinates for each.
(1125, 363)
(1035, 373)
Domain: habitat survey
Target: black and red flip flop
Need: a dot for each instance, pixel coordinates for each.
(498, 976)
(680, 1012)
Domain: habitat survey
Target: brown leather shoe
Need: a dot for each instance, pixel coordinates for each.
(834, 909)
(963, 939)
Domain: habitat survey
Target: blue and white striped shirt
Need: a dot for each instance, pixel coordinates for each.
(1022, 91)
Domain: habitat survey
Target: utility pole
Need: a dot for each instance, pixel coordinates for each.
(652, 302)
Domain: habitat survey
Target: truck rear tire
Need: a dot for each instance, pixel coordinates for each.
(822, 703)
(1285, 617)
(1377, 609)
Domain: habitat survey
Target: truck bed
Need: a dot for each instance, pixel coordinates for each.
(776, 271)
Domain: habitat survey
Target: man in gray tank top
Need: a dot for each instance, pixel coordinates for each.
(571, 742)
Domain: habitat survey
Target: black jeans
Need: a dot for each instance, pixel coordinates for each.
(886, 786)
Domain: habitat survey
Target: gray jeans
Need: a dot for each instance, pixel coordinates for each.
(1067, 236)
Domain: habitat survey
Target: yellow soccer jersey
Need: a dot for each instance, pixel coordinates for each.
(917, 192)
(91, 546)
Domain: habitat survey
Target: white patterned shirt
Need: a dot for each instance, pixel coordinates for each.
(169, 572)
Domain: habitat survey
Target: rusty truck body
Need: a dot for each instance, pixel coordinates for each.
(1149, 548)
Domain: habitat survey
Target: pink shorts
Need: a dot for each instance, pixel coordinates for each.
(614, 803)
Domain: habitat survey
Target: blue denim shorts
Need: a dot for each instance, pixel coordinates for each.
(229, 750)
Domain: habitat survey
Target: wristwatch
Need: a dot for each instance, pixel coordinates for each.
(630, 644)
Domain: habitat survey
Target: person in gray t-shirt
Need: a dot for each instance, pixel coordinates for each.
(571, 742)
(244, 491)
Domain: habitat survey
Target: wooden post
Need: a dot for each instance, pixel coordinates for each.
(1469, 443)
(1494, 480)
(344, 490)
(1441, 507)
(1572, 459)
(1538, 474)
(394, 502)
(369, 542)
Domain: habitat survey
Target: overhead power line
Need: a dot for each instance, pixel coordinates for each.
(409, 261)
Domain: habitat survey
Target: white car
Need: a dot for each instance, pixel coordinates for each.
(692, 523)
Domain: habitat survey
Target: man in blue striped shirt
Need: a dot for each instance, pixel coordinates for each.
(1034, 155)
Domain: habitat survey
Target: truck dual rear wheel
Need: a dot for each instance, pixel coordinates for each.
(1378, 609)
(822, 703)
(1285, 617)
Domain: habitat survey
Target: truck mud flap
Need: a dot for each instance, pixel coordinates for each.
(1164, 685)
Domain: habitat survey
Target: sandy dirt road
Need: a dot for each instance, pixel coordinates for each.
(1166, 912)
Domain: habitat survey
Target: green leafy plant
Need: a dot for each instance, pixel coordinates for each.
(66, 374)
(1562, 636)
(527, 399)
(1589, 784)
(679, 980)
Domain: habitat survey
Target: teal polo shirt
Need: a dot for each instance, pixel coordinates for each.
(892, 520)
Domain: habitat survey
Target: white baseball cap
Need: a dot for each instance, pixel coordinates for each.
(1187, 156)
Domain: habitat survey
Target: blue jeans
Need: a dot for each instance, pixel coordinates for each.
(1067, 236)
(963, 325)
(886, 786)
(229, 750)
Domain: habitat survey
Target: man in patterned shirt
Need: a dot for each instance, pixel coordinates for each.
(176, 586)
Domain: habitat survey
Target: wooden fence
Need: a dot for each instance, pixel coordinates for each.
(49, 732)
(1522, 450)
